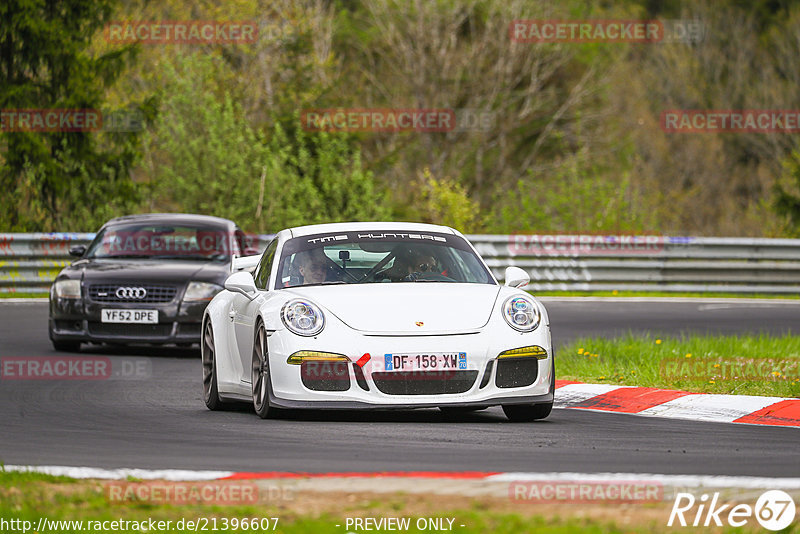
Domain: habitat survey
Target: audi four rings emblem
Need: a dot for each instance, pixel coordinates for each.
(131, 293)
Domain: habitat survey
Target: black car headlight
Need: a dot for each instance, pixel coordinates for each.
(521, 314)
(303, 317)
(200, 291)
(67, 289)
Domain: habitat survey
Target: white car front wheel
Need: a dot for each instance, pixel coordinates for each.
(208, 356)
(523, 413)
(260, 374)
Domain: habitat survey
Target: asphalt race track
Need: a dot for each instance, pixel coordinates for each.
(161, 422)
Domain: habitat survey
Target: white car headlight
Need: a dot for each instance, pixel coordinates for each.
(68, 289)
(199, 291)
(521, 314)
(302, 317)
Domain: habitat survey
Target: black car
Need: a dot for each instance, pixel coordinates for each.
(143, 279)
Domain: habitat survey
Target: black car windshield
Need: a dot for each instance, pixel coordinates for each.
(164, 241)
(379, 257)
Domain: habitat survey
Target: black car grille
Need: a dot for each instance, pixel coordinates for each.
(325, 376)
(516, 372)
(424, 382)
(155, 293)
(130, 330)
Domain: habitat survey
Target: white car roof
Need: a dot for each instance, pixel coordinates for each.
(361, 226)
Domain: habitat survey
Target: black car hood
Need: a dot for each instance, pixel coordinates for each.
(170, 271)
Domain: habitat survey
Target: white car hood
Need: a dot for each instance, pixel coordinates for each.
(396, 308)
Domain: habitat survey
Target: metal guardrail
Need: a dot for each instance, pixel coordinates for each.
(647, 263)
(29, 262)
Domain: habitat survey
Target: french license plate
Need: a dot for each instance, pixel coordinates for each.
(436, 361)
(129, 316)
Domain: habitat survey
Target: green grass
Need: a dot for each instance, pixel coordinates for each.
(11, 478)
(12, 295)
(672, 362)
(793, 296)
(29, 497)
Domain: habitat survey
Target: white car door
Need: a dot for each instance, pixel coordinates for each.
(244, 311)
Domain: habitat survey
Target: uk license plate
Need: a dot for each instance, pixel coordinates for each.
(129, 316)
(429, 361)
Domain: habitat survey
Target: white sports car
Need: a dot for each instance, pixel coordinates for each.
(376, 316)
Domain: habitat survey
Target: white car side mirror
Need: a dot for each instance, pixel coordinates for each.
(516, 277)
(242, 282)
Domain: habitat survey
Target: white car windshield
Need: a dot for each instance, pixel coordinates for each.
(379, 257)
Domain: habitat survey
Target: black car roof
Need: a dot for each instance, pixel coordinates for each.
(171, 218)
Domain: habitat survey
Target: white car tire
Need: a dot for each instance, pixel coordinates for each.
(260, 377)
(208, 355)
(524, 413)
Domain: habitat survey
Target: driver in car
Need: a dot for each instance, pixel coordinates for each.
(313, 266)
(423, 263)
(411, 262)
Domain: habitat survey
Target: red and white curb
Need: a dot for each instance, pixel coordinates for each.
(692, 481)
(779, 411)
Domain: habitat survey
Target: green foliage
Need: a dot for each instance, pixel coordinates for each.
(572, 199)
(787, 200)
(60, 180)
(444, 201)
(207, 158)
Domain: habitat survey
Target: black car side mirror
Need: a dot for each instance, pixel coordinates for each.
(77, 251)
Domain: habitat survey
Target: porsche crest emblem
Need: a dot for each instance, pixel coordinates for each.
(419, 323)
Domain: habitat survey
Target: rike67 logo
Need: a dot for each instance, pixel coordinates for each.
(774, 510)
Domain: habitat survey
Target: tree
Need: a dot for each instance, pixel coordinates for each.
(204, 156)
(60, 180)
(787, 201)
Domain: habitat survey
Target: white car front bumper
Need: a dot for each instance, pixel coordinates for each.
(486, 381)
